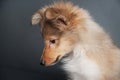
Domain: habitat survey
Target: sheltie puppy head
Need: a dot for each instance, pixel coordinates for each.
(59, 23)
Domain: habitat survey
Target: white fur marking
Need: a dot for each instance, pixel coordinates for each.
(81, 66)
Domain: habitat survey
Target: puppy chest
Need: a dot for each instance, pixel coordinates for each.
(83, 67)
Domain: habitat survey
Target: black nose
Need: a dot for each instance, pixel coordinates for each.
(42, 62)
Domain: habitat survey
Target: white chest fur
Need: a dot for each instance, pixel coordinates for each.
(80, 67)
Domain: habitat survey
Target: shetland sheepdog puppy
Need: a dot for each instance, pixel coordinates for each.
(72, 36)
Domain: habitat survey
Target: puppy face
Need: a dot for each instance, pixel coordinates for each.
(57, 45)
(58, 27)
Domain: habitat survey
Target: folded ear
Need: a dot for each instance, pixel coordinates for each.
(36, 18)
(61, 20)
(55, 17)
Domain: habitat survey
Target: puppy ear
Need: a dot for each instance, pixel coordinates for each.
(36, 18)
(55, 16)
(61, 20)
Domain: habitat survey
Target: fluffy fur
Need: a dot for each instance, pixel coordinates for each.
(70, 30)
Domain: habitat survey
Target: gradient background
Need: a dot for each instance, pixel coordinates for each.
(21, 43)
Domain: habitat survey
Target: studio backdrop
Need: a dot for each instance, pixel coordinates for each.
(21, 43)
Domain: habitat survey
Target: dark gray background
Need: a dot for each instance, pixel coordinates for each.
(21, 43)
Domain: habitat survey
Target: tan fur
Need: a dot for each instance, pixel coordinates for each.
(69, 25)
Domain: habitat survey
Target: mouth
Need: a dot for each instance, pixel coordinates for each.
(59, 58)
(56, 61)
(65, 58)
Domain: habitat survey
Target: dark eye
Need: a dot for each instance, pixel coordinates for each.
(52, 41)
